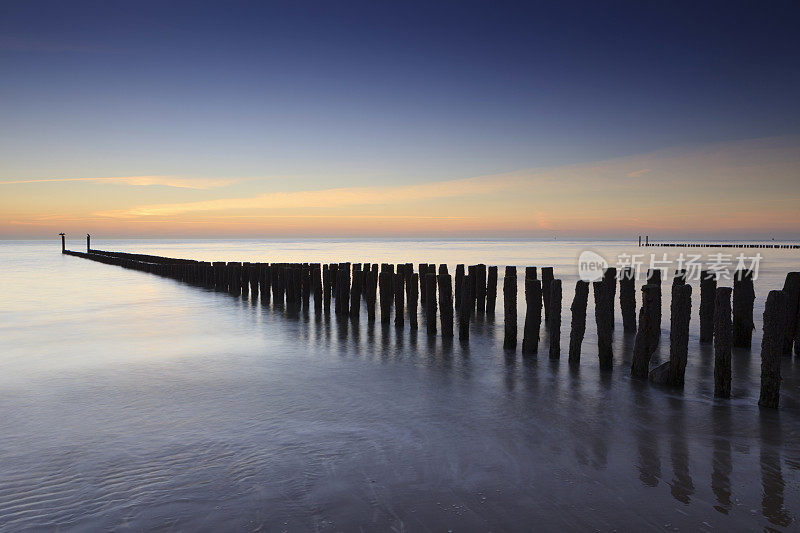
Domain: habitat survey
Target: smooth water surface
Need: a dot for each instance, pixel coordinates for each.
(130, 401)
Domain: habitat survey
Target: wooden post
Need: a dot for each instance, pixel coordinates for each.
(459, 282)
(708, 291)
(627, 299)
(680, 315)
(743, 298)
(510, 305)
(642, 347)
(326, 288)
(680, 277)
(480, 285)
(610, 279)
(355, 294)
(533, 312)
(772, 346)
(578, 324)
(654, 278)
(413, 293)
(370, 296)
(386, 295)
(491, 290)
(430, 302)
(603, 308)
(791, 289)
(555, 319)
(63, 243)
(547, 278)
(399, 307)
(423, 270)
(266, 282)
(446, 304)
(465, 311)
(88, 243)
(722, 342)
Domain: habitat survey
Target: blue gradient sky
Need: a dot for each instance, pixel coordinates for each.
(315, 95)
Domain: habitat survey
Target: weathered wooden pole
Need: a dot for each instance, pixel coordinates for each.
(654, 278)
(386, 296)
(399, 306)
(480, 285)
(603, 317)
(430, 302)
(254, 276)
(88, 243)
(772, 347)
(413, 294)
(465, 311)
(326, 288)
(355, 294)
(743, 298)
(547, 278)
(708, 293)
(510, 307)
(555, 319)
(791, 289)
(446, 304)
(423, 271)
(578, 323)
(63, 243)
(722, 342)
(533, 312)
(680, 277)
(610, 279)
(627, 299)
(643, 345)
(459, 282)
(371, 288)
(316, 287)
(680, 315)
(491, 290)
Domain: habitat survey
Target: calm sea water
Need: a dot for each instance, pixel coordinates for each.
(129, 401)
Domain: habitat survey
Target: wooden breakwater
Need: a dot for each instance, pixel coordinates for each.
(689, 244)
(726, 313)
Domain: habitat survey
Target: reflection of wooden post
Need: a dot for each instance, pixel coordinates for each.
(63, 243)
(772, 348)
(88, 243)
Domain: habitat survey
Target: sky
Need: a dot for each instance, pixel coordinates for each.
(401, 119)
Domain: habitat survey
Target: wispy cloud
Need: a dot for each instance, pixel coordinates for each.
(638, 173)
(139, 181)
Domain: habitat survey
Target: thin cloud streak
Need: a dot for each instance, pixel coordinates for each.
(139, 181)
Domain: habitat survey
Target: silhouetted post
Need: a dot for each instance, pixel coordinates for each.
(510, 306)
(680, 315)
(722, 342)
(547, 278)
(254, 277)
(533, 312)
(423, 271)
(266, 282)
(386, 295)
(413, 294)
(627, 298)
(680, 277)
(603, 308)
(791, 289)
(370, 296)
(465, 311)
(430, 302)
(555, 319)
(772, 346)
(63, 242)
(743, 298)
(88, 243)
(355, 294)
(610, 279)
(399, 306)
(491, 290)
(305, 284)
(708, 293)
(480, 285)
(643, 345)
(654, 278)
(459, 282)
(326, 288)
(578, 323)
(446, 304)
(278, 280)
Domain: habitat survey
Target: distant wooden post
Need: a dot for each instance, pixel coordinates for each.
(88, 243)
(355, 294)
(791, 289)
(370, 296)
(555, 319)
(627, 299)
(743, 298)
(446, 304)
(547, 278)
(642, 347)
(772, 346)
(533, 312)
(413, 293)
(480, 285)
(465, 311)
(708, 293)
(510, 305)
(603, 309)
(386, 296)
(722, 342)
(680, 315)
(578, 323)
(63, 243)
(326, 288)
(399, 307)
(459, 282)
(491, 290)
(423, 271)
(430, 302)
(680, 277)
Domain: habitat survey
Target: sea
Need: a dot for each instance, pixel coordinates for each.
(134, 402)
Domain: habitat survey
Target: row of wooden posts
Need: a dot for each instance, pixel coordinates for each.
(760, 245)
(726, 314)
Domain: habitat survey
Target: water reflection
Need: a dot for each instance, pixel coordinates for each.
(722, 464)
(772, 482)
